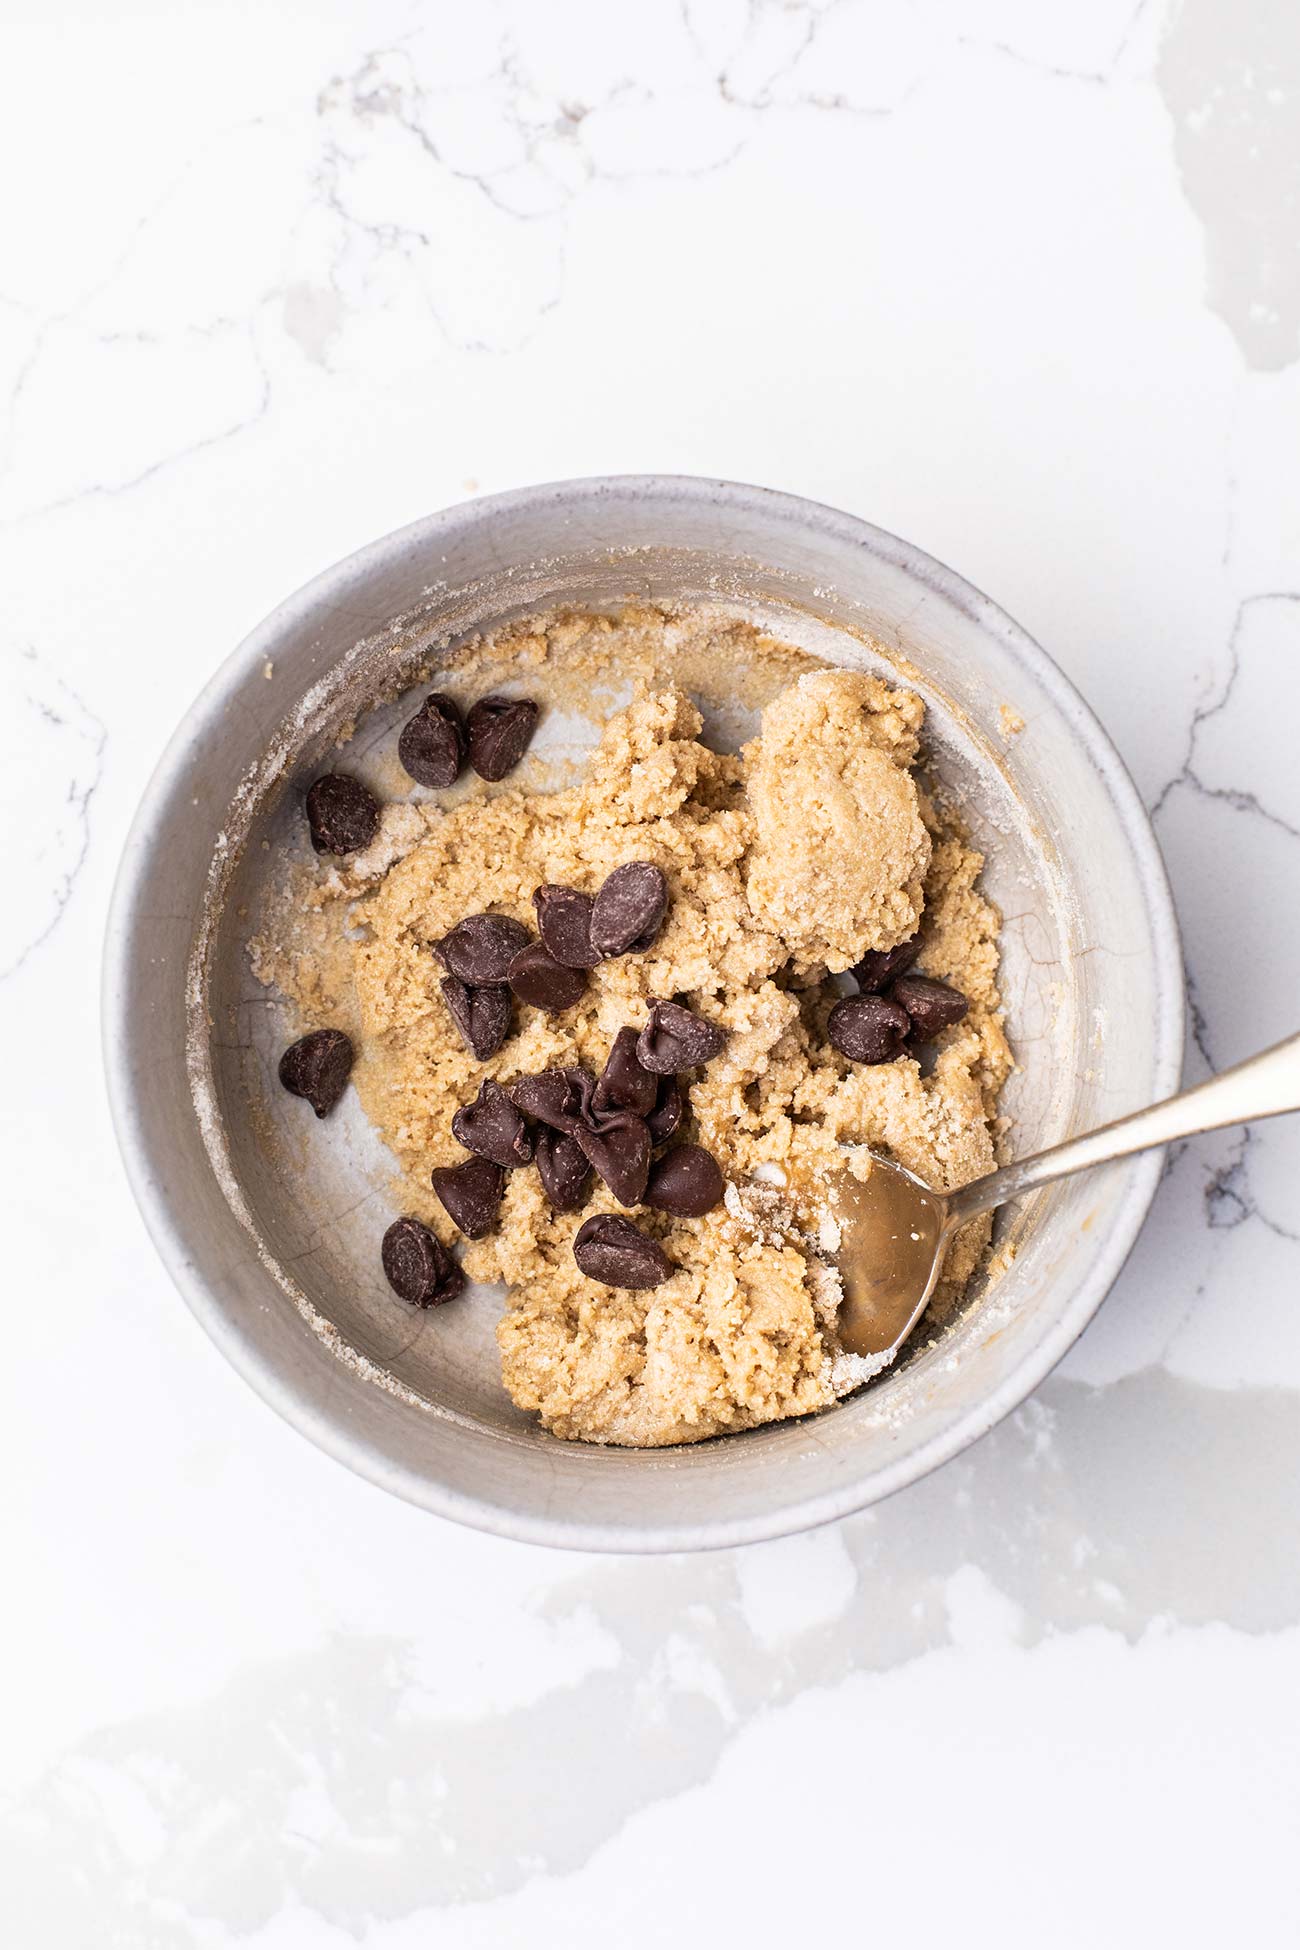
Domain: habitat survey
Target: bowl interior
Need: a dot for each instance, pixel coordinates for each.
(277, 1217)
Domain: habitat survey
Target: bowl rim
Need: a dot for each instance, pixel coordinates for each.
(280, 1390)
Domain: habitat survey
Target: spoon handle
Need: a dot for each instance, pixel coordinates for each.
(1262, 1086)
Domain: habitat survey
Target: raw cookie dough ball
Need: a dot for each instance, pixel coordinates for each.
(841, 850)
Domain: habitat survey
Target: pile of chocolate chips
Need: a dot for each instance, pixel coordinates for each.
(894, 1007)
(343, 815)
(494, 736)
(567, 1122)
(491, 959)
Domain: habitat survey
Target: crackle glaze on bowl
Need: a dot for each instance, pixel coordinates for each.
(270, 1228)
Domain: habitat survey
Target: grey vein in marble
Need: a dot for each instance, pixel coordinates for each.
(1192, 773)
(347, 248)
(328, 1789)
(55, 752)
(1152, 1502)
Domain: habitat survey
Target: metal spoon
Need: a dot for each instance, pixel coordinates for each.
(895, 1230)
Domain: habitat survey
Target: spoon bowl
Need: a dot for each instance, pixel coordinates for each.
(894, 1229)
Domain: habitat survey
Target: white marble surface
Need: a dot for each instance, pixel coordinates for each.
(1018, 279)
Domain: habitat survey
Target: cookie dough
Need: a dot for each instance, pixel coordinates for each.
(840, 849)
(792, 859)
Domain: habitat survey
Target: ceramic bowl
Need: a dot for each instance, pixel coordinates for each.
(270, 1228)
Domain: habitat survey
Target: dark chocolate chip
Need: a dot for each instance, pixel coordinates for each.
(491, 1127)
(554, 1097)
(317, 1067)
(481, 948)
(563, 1170)
(675, 1039)
(619, 1152)
(612, 1139)
(932, 1006)
(536, 977)
(687, 1182)
(597, 1113)
(613, 1251)
(342, 816)
(867, 1028)
(432, 744)
(629, 909)
(878, 968)
(482, 1015)
(471, 1193)
(418, 1266)
(564, 923)
(669, 1110)
(625, 1083)
(500, 731)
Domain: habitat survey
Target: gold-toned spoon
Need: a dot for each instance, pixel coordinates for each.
(895, 1230)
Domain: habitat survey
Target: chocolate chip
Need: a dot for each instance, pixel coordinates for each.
(317, 1067)
(418, 1266)
(598, 1116)
(615, 1252)
(867, 1028)
(564, 923)
(471, 1193)
(482, 1015)
(619, 1152)
(669, 1110)
(687, 1182)
(481, 948)
(613, 1140)
(563, 1170)
(554, 1097)
(624, 1083)
(675, 1039)
(342, 815)
(536, 977)
(931, 1006)
(432, 744)
(879, 967)
(629, 909)
(491, 1127)
(500, 731)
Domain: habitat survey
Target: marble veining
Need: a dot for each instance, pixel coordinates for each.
(1018, 282)
(55, 752)
(357, 1761)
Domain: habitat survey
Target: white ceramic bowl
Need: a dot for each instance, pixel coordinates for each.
(244, 1209)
